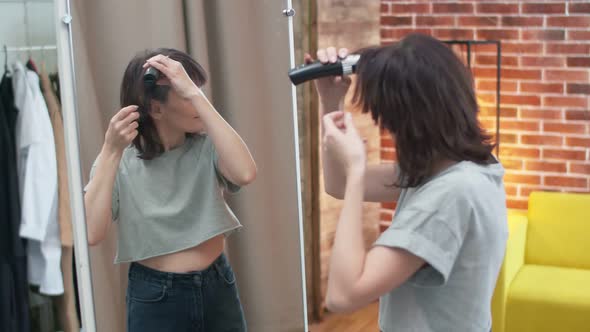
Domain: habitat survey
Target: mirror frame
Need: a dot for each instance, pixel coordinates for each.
(65, 58)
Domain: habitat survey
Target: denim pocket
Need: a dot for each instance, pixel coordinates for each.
(145, 291)
(225, 272)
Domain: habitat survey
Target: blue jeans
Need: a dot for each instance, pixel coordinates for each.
(206, 300)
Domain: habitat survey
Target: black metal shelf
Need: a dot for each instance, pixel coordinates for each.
(498, 44)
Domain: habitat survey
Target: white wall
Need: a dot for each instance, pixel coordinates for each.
(41, 31)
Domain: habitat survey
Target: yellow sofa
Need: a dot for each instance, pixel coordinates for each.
(544, 283)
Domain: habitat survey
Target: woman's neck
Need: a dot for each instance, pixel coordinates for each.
(169, 138)
(443, 165)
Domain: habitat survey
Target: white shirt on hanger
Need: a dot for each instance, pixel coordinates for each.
(37, 170)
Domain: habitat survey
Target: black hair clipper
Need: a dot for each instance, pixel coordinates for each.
(151, 76)
(308, 72)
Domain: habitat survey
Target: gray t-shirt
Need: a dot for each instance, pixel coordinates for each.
(170, 203)
(457, 223)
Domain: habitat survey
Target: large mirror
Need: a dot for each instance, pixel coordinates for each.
(191, 184)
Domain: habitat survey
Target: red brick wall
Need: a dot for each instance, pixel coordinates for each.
(545, 84)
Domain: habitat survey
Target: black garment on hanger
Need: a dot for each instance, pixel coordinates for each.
(14, 296)
(9, 194)
(7, 100)
(54, 79)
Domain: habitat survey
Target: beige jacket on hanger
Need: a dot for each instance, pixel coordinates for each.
(64, 214)
(66, 303)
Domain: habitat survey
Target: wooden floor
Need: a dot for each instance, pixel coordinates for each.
(364, 320)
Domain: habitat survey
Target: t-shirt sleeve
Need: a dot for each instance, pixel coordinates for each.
(434, 235)
(223, 181)
(115, 195)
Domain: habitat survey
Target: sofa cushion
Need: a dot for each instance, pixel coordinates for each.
(549, 299)
(558, 230)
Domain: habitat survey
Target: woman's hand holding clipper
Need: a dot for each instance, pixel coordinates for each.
(331, 89)
(175, 74)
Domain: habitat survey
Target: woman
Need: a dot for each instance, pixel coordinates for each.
(435, 267)
(165, 192)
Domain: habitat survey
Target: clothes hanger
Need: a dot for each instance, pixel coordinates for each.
(6, 71)
(30, 63)
(43, 62)
(27, 36)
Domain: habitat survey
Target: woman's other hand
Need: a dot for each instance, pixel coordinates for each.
(122, 129)
(343, 142)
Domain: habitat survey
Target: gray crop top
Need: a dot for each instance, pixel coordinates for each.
(170, 203)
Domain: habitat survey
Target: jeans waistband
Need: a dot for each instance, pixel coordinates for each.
(139, 271)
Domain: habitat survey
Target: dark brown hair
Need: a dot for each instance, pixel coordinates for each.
(423, 94)
(134, 92)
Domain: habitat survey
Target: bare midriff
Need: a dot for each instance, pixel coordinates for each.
(192, 259)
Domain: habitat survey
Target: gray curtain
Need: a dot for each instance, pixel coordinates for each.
(244, 47)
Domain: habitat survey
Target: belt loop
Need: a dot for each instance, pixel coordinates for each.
(169, 277)
(218, 269)
(198, 279)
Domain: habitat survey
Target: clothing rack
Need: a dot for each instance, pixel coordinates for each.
(28, 49)
(7, 49)
(59, 53)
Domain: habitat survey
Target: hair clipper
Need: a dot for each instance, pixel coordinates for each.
(151, 76)
(308, 72)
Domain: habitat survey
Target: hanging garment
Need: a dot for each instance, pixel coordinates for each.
(14, 299)
(54, 78)
(37, 172)
(32, 65)
(63, 212)
(66, 303)
(10, 242)
(7, 93)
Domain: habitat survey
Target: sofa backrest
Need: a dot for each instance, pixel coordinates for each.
(558, 232)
